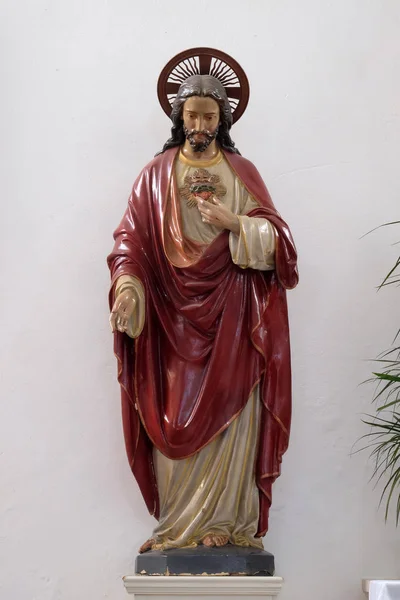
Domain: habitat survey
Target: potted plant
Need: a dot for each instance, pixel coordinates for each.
(383, 440)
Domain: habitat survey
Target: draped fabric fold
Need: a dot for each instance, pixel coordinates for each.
(212, 332)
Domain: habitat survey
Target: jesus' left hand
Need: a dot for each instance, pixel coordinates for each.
(218, 215)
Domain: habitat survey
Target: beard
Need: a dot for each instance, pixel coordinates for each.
(199, 146)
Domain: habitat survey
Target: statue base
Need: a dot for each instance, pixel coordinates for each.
(227, 560)
(203, 588)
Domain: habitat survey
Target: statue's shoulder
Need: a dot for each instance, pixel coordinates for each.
(160, 161)
(242, 164)
(157, 170)
(154, 164)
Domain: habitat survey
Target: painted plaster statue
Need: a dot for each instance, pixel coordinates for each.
(200, 267)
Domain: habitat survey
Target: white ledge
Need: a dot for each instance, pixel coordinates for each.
(365, 585)
(189, 586)
(384, 588)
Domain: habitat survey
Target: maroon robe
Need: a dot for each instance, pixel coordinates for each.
(212, 332)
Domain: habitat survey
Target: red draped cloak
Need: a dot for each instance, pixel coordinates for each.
(212, 332)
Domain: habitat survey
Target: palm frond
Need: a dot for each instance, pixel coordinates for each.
(380, 227)
(383, 439)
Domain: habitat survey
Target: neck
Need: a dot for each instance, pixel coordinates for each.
(208, 153)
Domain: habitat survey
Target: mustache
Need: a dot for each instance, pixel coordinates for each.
(204, 132)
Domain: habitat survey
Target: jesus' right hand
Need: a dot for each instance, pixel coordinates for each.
(122, 311)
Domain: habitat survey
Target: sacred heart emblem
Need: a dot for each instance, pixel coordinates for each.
(204, 184)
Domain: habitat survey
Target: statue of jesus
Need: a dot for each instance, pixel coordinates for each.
(200, 268)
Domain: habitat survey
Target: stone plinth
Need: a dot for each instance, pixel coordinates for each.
(227, 560)
(202, 588)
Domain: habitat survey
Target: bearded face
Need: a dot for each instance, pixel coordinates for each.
(200, 121)
(199, 139)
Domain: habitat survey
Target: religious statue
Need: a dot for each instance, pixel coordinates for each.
(200, 267)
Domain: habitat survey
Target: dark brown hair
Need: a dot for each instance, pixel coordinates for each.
(206, 86)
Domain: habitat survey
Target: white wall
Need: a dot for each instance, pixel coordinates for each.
(80, 118)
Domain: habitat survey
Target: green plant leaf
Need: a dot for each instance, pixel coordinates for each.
(394, 480)
(392, 270)
(387, 377)
(385, 406)
(380, 226)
